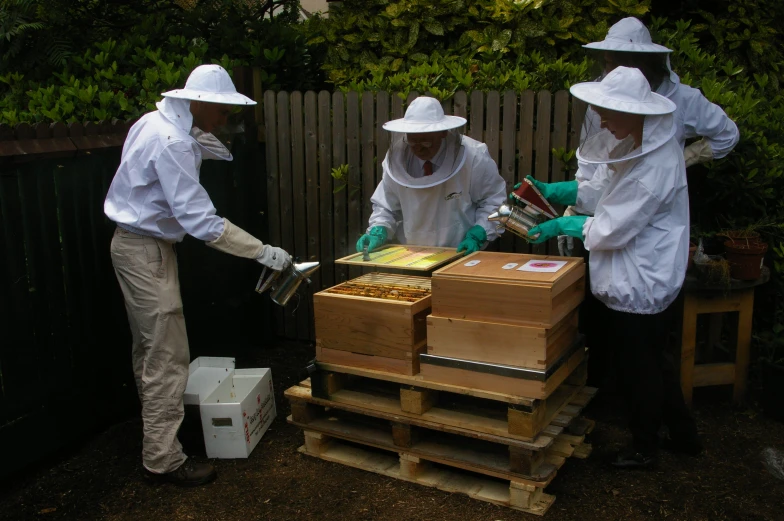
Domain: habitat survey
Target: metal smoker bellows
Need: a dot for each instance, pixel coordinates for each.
(515, 219)
(283, 284)
(529, 210)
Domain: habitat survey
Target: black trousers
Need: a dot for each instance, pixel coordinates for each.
(600, 361)
(646, 375)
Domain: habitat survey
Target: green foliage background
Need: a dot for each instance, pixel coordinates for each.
(83, 60)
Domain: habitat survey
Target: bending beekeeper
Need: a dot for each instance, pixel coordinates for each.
(156, 199)
(438, 186)
(628, 43)
(638, 239)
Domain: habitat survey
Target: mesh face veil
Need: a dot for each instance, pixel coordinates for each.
(401, 157)
(623, 91)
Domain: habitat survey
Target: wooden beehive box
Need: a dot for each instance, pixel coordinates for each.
(507, 344)
(487, 292)
(371, 332)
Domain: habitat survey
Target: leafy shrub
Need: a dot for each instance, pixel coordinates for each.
(461, 44)
(123, 77)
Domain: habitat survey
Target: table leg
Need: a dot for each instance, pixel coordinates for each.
(743, 349)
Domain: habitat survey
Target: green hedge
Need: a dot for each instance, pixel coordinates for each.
(86, 60)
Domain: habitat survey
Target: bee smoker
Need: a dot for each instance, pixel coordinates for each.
(529, 209)
(517, 220)
(283, 284)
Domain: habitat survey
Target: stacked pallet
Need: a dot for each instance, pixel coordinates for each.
(478, 369)
(428, 433)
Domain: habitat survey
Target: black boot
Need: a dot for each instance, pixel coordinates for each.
(633, 459)
(189, 474)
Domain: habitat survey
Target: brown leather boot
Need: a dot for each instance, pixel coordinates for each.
(189, 474)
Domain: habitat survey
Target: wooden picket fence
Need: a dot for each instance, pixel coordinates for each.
(307, 135)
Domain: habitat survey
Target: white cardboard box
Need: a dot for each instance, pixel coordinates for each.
(236, 406)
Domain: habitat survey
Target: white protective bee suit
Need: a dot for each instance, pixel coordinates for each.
(638, 237)
(156, 199)
(436, 210)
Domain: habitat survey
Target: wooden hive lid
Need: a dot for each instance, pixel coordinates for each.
(490, 269)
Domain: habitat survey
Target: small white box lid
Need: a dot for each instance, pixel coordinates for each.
(205, 374)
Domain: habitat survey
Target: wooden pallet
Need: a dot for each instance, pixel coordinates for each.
(512, 494)
(474, 469)
(369, 419)
(492, 413)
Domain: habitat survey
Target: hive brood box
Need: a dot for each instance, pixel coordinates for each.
(355, 326)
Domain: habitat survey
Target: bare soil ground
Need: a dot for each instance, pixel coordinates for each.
(103, 478)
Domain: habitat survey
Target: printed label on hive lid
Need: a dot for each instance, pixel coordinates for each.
(543, 266)
(472, 263)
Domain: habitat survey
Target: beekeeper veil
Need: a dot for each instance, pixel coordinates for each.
(425, 115)
(625, 90)
(210, 84)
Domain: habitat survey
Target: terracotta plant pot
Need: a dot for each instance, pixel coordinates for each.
(745, 257)
(742, 235)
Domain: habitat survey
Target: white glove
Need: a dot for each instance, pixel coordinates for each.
(566, 245)
(698, 152)
(566, 242)
(236, 241)
(275, 258)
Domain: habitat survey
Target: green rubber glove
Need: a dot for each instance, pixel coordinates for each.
(559, 193)
(474, 238)
(377, 237)
(571, 225)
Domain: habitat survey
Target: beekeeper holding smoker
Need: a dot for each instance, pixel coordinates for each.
(156, 199)
(438, 186)
(638, 239)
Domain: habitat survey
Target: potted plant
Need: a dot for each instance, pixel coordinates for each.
(745, 252)
(713, 270)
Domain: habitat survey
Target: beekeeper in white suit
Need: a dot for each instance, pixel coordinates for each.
(628, 43)
(438, 186)
(156, 199)
(638, 239)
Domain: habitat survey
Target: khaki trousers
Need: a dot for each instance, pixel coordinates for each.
(147, 271)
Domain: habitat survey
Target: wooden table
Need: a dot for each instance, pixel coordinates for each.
(704, 299)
